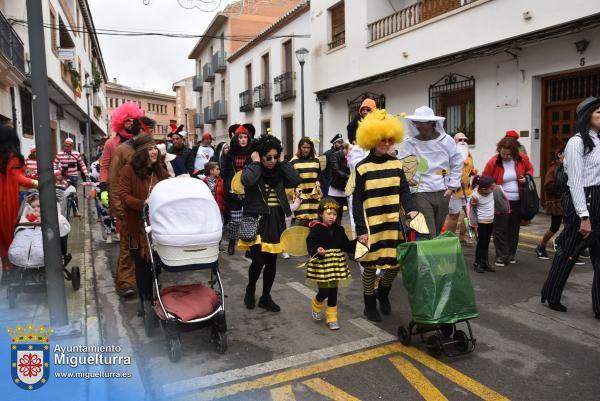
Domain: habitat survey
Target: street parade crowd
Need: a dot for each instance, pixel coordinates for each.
(387, 171)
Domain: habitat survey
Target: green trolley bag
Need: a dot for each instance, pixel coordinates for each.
(436, 279)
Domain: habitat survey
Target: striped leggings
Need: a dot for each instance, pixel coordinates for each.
(368, 279)
(569, 238)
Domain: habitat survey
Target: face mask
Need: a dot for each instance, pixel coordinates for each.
(463, 149)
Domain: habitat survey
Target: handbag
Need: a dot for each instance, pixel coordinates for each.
(248, 227)
(530, 201)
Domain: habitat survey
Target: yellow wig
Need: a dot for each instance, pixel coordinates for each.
(376, 126)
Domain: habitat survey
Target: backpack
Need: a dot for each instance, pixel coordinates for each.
(560, 181)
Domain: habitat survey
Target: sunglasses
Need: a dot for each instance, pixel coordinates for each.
(366, 110)
(269, 158)
(463, 140)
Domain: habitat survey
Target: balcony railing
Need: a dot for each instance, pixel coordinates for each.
(198, 120)
(337, 40)
(262, 95)
(209, 115)
(218, 61)
(11, 45)
(208, 73)
(197, 83)
(220, 109)
(412, 15)
(246, 101)
(284, 86)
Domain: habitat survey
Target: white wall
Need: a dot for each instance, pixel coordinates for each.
(483, 22)
(404, 94)
(275, 112)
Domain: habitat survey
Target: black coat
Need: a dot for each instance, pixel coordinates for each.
(340, 172)
(333, 237)
(255, 199)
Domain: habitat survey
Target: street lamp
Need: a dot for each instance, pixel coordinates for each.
(88, 129)
(301, 57)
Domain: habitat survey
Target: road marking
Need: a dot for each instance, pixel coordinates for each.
(198, 383)
(328, 390)
(454, 375)
(416, 379)
(295, 374)
(283, 393)
(302, 289)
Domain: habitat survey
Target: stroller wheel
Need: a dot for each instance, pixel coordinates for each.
(149, 318)
(174, 345)
(11, 294)
(220, 340)
(434, 346)
(75, 278)
(462, 341)
(404, 335)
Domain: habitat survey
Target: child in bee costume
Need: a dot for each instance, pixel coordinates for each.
(327, 243)
(308, 166)
(381, 194)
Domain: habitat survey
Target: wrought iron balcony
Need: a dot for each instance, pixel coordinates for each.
(262, 95)
(220, 109)
(208, 73)
(284, 86)
(209, 115)
(197, 83)
(219, 62)
(246, 101)
(198, 120)
(11, 45)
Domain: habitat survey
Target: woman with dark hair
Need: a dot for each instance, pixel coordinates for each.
(238, 156)
(265, 180)
(309, 168)
(508, 168)
(580, 206)
(12, 175)
(135, 184)
(552, 202)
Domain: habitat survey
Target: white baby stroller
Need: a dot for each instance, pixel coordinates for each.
(26, 253)
(183, 230)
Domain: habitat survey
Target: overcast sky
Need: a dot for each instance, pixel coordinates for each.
(149, 62)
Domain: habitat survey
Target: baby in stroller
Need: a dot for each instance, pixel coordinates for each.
(26, 251)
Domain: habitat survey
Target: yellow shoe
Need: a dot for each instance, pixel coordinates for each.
(317, 308)
(331, 319)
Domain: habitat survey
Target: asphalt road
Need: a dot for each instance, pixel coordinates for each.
(524, 350)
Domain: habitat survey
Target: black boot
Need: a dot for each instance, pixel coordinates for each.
(231, 247)
(266, 302)
(384, 302)
(485, 264)
(477, 267)
(371, 308)
(249, 299)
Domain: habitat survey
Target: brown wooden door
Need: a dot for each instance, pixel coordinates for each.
(560, 96)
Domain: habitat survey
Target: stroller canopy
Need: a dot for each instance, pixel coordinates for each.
(183, 212)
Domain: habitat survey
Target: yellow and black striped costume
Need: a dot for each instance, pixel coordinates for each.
(309, 170)
(380, 192)
(329, 270)
(270, 227)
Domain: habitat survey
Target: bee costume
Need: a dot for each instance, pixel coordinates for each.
(381, 192)
(309, 169)
(331, 269)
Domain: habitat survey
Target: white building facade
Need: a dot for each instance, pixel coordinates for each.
(488, 66)
(267, 89)
(72, 53)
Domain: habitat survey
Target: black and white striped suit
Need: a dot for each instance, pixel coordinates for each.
(582, 199)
